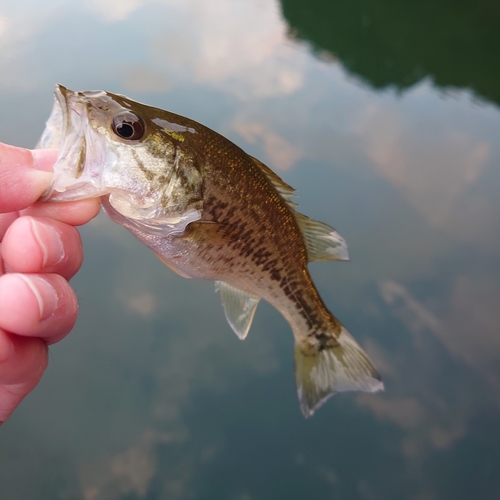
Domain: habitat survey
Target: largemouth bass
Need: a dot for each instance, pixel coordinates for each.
(209, 210)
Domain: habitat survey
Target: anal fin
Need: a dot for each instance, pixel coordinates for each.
(239, 307)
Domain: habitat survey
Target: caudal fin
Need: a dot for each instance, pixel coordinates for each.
(322, 373)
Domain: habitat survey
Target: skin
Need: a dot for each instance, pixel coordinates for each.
(40, 250)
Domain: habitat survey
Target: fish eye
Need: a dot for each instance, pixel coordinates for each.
(128, 125)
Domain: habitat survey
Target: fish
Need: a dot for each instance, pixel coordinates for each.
(209, 210)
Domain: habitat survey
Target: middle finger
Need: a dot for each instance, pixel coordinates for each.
(42, 245)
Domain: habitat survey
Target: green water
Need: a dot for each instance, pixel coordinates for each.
(384, 116)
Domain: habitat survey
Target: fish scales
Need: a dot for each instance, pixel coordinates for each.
(241, 211)
(251, 201)
(209, 210)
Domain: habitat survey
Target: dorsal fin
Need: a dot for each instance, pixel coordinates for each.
(322, 241)
(239, 307)
(284, 189)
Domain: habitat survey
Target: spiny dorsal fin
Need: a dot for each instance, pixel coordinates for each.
(284, 189)
(239, 307)
(322, 241)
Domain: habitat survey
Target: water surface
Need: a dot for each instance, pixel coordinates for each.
(385, 117)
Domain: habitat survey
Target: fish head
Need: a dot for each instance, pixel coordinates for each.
(131, 154)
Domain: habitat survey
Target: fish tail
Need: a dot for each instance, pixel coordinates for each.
(325, 368)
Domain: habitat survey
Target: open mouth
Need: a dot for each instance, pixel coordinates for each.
(88, 164)
(66, 129)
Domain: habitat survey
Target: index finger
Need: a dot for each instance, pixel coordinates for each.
(23, 176)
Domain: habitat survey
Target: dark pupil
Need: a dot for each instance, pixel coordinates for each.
(125, 130)
(128, 126)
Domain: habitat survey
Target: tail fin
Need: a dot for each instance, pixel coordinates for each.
(322, 373)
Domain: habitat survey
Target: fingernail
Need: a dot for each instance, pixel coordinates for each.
(45, 294)
(49, 240)
(44, 159)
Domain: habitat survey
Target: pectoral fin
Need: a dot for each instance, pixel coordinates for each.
(239, 307)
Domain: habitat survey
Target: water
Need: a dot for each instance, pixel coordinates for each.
(386, 118)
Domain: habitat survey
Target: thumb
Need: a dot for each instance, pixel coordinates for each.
(24, 176)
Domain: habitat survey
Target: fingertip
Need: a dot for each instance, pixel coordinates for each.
(44, 159)
(37, 305)
(44, 293)
(77, 212)
(21, 304)
(74, 213)
(94, 207)
(21, 184)
(42, 245)
(49, 241)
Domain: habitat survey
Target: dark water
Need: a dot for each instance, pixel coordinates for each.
(385, 116)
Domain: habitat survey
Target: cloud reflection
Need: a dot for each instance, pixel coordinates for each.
(116, 10)
(127, 473)
(217, 49)
(280, 153)
(148, 343)
(203, 42)
(468, 326)
(434, 415)
(431, 176)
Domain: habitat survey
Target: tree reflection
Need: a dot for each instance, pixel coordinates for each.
(394, 43)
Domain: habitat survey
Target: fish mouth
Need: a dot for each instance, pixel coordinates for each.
(66, 129)
(88, 165)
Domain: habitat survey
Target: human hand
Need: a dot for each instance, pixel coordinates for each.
(40, 251)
